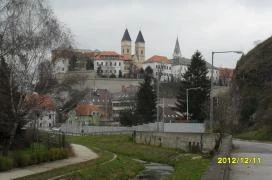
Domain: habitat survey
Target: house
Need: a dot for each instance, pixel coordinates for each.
(161, 66)
(225, 76)
(42, 112)
(124, 100)
(101, 98)
(86, 114)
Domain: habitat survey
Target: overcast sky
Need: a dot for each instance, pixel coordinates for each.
(204, 25)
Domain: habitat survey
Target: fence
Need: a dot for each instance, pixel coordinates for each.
(163, 127)
(48, 138)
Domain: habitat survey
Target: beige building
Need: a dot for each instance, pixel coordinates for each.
(126, 48)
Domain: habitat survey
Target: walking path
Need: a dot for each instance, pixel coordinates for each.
(260, 169)
(82, 154)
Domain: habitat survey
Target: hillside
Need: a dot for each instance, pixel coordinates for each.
(252, 88)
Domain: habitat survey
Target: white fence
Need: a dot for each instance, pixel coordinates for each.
(166, 127)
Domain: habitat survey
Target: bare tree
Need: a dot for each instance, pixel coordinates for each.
(28, 32)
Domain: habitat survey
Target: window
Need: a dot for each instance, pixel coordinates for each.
(115, 64)
(106, 63)
(102, 63)
(49, 116)
(142, 52)
(114, 71)
(110, 63)
(127, 50)
(40, 124)
(169, 68)
(123, 51)
(49, 124)
(119, 63)
(97, 63)
(62, 69)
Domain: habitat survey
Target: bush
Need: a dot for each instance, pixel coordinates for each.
(6, 163)
(21, 159)
(57, 153)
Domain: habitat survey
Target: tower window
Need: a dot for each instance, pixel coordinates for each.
(142, 52)
(127, 50)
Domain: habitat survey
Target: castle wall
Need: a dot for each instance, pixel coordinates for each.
(87, 79)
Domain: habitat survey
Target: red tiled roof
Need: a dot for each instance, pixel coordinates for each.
(226, 72)
(40, 101)
(104, 55)
(160, 59)
(87, 109)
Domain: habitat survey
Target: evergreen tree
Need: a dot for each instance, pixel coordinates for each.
(195, 76)
(146, 99)
(7, 117)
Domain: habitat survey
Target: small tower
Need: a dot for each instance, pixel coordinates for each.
(177, 53)
(126, 44)
(140, 48)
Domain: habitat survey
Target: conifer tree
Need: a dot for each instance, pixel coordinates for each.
(195, 77)
(146, 99)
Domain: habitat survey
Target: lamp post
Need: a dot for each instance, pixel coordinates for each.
(211, 98)
(187, 100)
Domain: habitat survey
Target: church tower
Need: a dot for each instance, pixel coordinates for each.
(140, 48)
(177, 53)
(126, 44)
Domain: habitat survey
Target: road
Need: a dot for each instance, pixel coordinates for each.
(252, 171)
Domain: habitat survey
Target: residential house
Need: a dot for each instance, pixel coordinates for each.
(42, 114)
(124, 100)
(225, 76)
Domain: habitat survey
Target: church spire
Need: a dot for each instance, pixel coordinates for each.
(177, 53)
(126, 36)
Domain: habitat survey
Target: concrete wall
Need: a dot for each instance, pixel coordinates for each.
(184, 141)
(90, 81)
(151, 127)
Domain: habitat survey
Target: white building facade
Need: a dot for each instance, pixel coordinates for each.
(161, 67)
(111, 63)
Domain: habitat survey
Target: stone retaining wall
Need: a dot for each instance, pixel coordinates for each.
(205, 142)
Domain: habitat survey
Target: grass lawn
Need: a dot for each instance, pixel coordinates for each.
(123, 167)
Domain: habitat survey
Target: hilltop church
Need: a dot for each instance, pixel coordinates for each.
(126, 48)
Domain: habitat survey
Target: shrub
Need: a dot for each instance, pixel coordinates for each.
(57, 153)
(22, 158)
(6, 163)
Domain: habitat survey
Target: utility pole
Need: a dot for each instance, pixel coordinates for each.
(211, 97)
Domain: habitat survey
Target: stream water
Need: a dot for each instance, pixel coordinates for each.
(154, 171)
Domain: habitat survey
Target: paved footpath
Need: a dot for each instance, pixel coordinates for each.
(82, 154)
(260, 171)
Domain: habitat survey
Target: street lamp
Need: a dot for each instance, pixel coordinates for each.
(187, 100)
(211, 98)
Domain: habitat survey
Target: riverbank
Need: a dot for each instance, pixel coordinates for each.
(186, 166)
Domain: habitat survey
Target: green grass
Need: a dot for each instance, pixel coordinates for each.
(259, 135)
(35, 154)
(124, 167)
